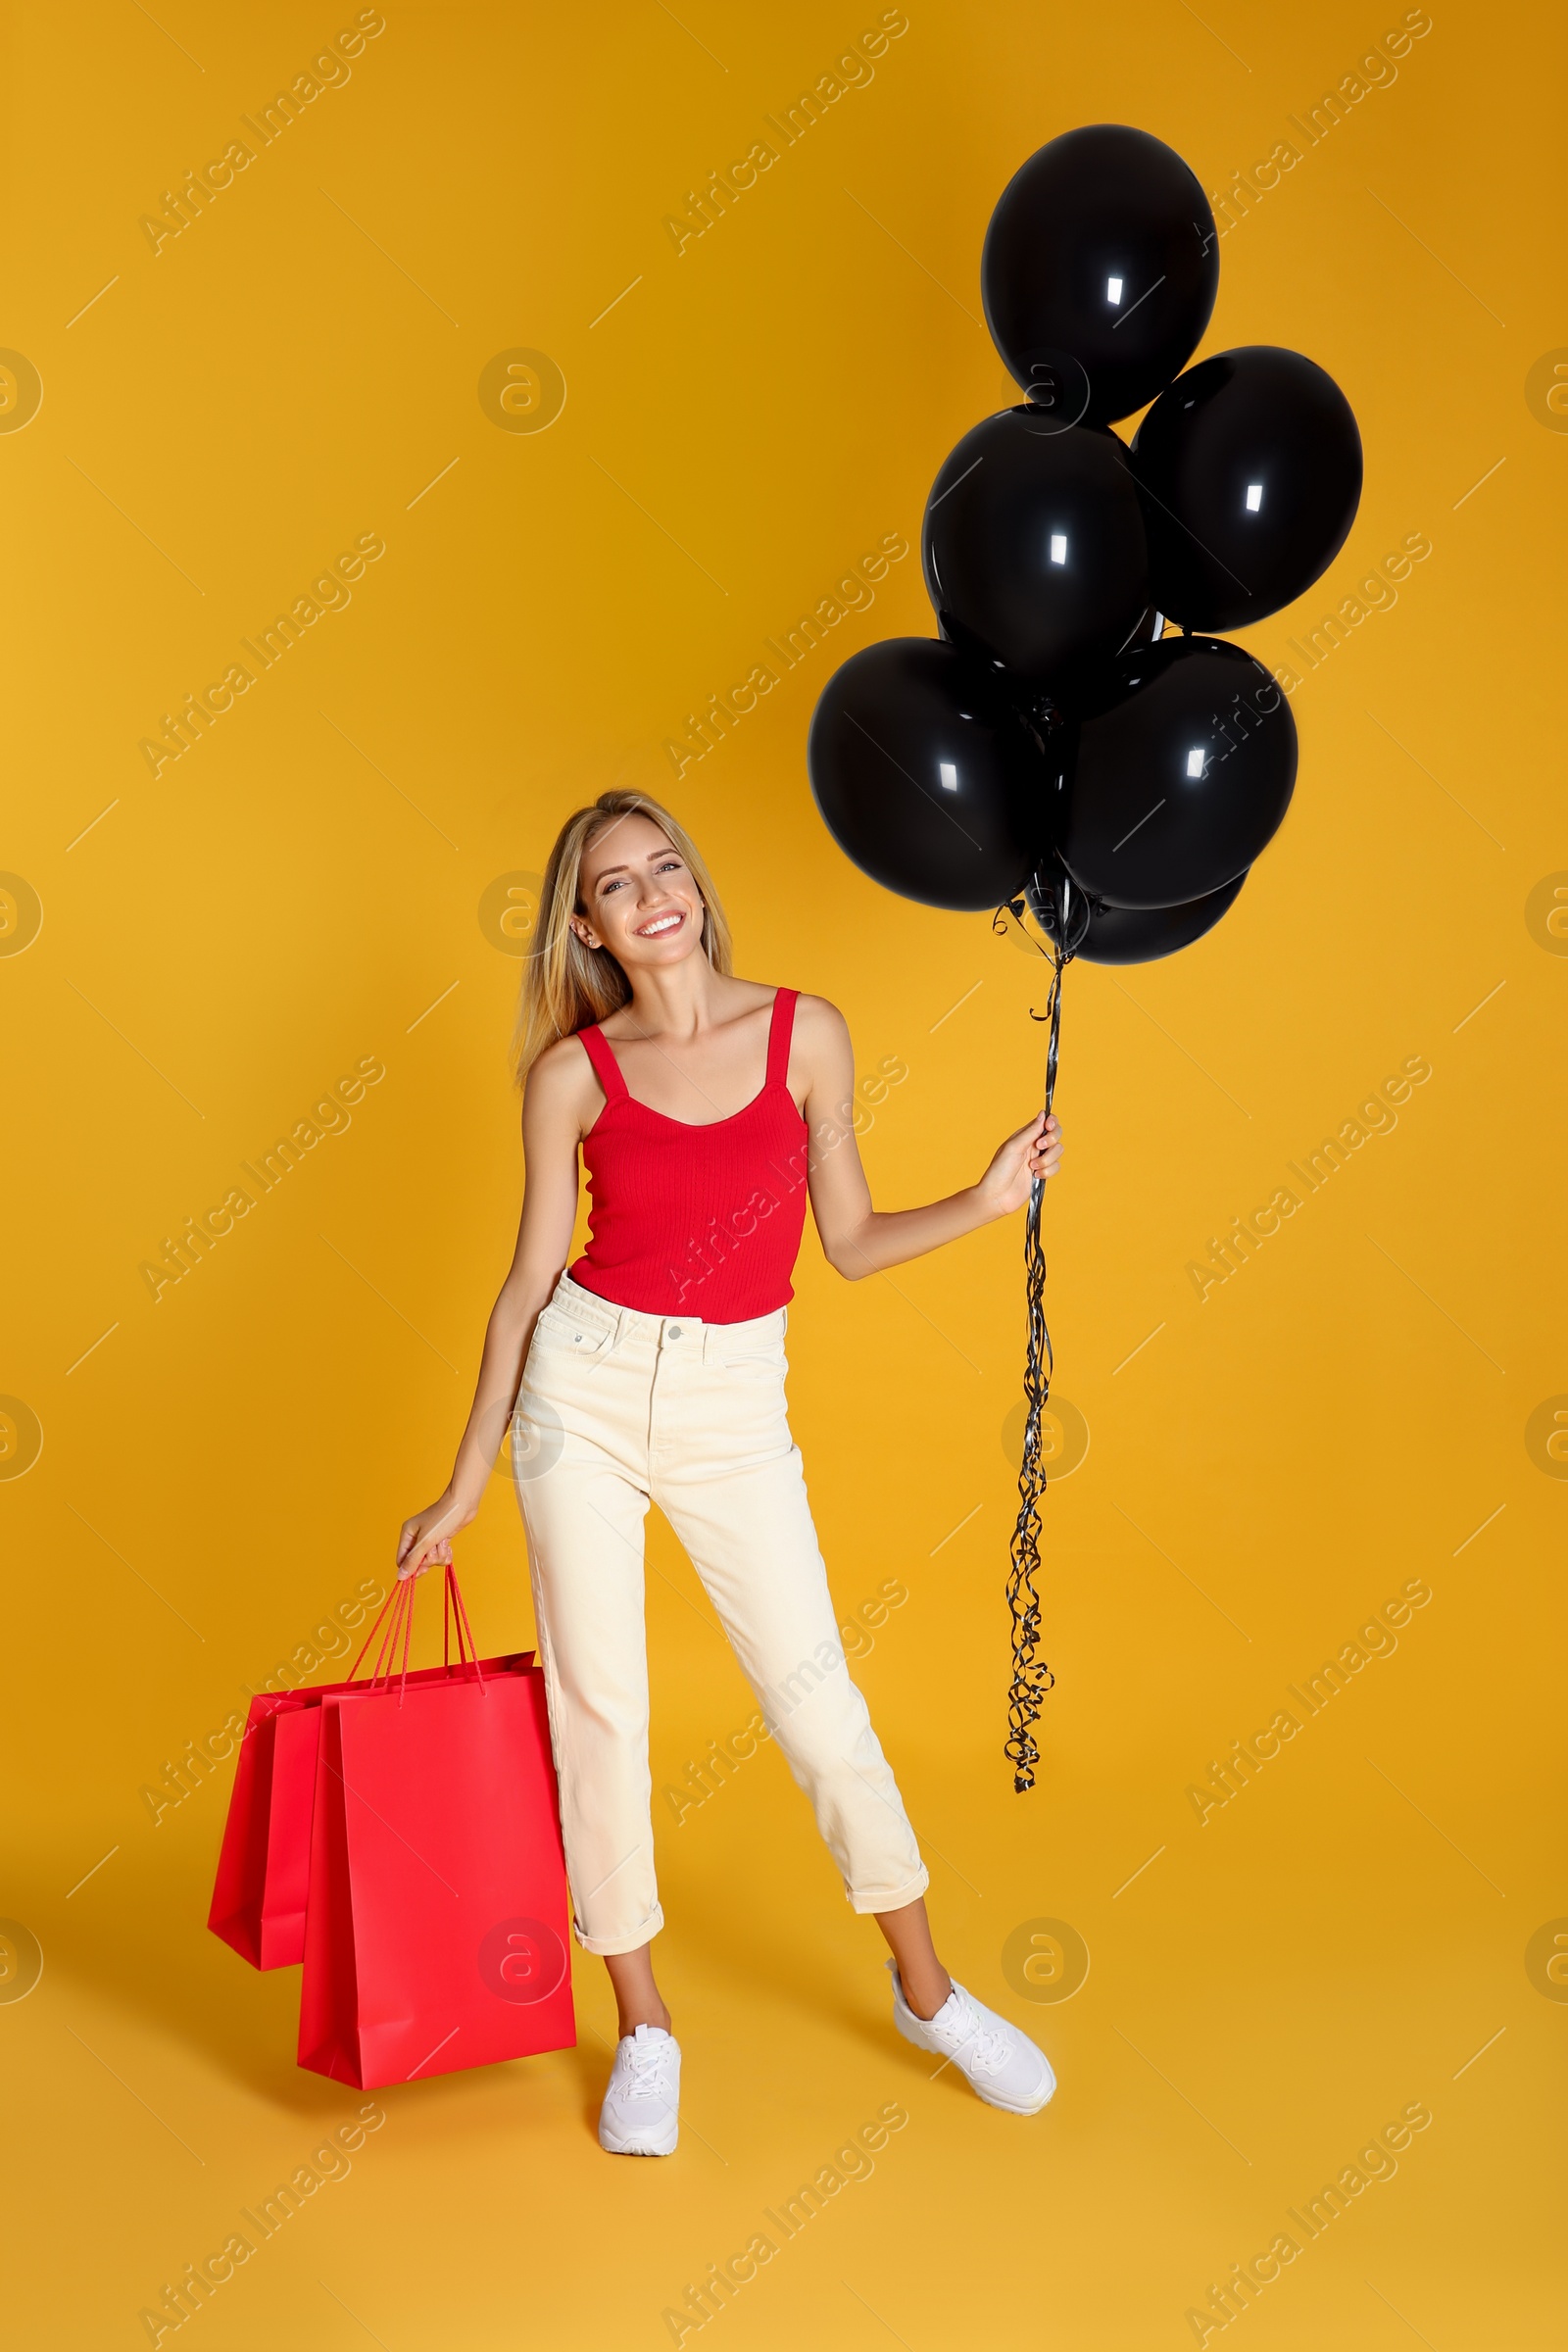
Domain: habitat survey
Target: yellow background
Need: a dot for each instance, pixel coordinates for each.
(1342, 1416)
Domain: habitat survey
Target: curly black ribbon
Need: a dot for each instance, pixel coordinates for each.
(1063, 911)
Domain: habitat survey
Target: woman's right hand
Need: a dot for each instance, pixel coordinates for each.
(426, 1539)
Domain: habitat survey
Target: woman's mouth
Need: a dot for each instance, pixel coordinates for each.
(661, 926)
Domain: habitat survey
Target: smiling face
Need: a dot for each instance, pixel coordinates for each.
(637, 897)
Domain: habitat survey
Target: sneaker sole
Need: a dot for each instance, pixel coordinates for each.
(1008, 2106)
(1012, 2106)
(636, 2147)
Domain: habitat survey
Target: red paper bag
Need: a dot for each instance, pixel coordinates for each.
(264, 1867)
(437, 1918)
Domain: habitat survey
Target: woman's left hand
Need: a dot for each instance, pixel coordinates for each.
(1035, 1150)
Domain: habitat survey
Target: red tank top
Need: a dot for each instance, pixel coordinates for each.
(705, 1221)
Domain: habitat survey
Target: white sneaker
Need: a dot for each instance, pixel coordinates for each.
(641, 2113)
(1005, 2066)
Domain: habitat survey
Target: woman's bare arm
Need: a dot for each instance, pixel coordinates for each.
(558, 1105)
(857, 1239)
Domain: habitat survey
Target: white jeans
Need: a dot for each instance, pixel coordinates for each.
(617, 1410)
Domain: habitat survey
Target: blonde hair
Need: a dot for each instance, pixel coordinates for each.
(567, 986)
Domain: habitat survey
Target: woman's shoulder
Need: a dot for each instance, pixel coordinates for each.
(818, 1018)
(562, 1069)
(563, 1097)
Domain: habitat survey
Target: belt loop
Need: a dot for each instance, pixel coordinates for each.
(710, 1351)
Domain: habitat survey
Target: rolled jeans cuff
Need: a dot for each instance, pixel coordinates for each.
(896, 1899)
(631, 1941)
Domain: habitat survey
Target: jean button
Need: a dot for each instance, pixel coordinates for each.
(674, 1331)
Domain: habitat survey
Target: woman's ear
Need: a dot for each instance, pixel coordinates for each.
(583, 930)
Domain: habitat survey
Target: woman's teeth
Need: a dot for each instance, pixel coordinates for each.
(666, 922)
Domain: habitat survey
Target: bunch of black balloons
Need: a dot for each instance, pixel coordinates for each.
(1053, 741)
(1054, 745)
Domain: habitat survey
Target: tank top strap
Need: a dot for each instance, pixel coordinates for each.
(607, 1068)
(781, 1029)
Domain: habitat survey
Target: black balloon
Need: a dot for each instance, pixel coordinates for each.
(1146, 630)
(1181, 772)
(1103, 934)
(1100, 271)
(1032, 545)
(1250, 465)
(927, 777)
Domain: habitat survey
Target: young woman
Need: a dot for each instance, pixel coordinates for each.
(707, 1109)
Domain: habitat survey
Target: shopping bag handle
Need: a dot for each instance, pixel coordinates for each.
(396, 1616)
(452, 1596)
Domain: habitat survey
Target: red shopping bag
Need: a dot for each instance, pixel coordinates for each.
(436, 1925)
(264, 1867)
